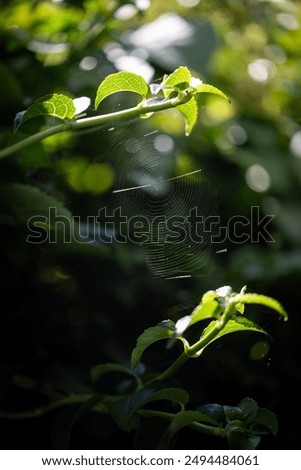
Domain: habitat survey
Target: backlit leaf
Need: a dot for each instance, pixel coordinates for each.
(60, 106)
(205, 88)
(121, 81)
(232, 326)
(190, 113)
(180, 75)
(151, 392)
(266, 301)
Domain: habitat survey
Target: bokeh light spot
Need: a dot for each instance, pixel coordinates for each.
(259, 350)
(258, 178)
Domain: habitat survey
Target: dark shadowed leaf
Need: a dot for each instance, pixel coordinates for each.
(26, 201)
(98, 371)
(163, 330)
(268, 419)
(249, 409)
(124, 410)
(214, 411)
(184, 418)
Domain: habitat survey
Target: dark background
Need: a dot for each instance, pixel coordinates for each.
(68, 307)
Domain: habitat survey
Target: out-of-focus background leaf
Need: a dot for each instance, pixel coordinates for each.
(67, 307)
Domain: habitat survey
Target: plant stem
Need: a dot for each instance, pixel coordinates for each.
(100, 120)
(207, 338)
(41, 411)
(204, 428)
(197, 347)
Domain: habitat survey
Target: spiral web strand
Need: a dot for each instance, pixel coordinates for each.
(150, 189)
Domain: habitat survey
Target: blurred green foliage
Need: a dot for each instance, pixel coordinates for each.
(68, 307)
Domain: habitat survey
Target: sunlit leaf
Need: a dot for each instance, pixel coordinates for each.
(232, 326)
(266, 301)
(179, 76)
(121, 81)
(205, 88)
(60, 106)
(190, 113)
(209, 296)
(204, 310)
(180, 80)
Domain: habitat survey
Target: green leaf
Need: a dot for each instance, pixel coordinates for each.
(234, 424)
(163, 330)
(249, 409)
(60, 106)
(240, 307)
(204, 311)
(266, 301)
(214, 411)
(27, 157)
(233, 413)
(268, 419)
(177, 82)
(209, 296)
(250, 442)
(184, 418)
(180, 75)
(121, 81)
(124, 411)
(240, 438)
(205, 88)
(232, 326)
(148, 394)
(25, 201)
(190, 113)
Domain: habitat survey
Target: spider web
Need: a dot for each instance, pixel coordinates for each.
(164, 204)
